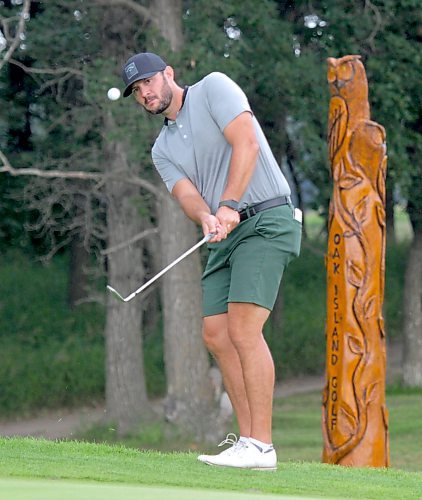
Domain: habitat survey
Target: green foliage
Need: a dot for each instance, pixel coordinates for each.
(49, 355)
(396, 259)
(154, 363)
(273, 51)
(54, 374)
(33, 303)
(385, 33)
(300, 346)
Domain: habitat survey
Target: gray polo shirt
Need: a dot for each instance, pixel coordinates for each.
(194, 147)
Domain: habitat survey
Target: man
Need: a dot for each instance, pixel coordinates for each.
(214, 159)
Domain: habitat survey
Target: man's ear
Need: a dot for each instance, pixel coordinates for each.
(169, 72)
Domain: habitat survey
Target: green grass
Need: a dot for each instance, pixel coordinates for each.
(297, 430)
(38, 469)
(37, 489)
(30, 458)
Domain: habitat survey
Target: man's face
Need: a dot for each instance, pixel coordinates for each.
(153, 93)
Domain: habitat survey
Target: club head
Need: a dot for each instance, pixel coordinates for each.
(116, 293)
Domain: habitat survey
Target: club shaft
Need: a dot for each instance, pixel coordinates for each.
(172, 264)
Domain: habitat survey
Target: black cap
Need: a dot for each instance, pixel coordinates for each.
(141, 66)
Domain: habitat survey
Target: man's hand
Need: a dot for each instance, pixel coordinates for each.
(210, 224)
(228, 218)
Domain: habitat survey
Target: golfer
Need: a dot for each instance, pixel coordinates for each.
(214, 159)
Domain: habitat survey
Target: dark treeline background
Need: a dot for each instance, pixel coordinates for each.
(78, 192)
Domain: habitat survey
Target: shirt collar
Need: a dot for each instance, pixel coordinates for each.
(185, 91)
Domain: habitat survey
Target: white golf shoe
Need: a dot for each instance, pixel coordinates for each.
(231, 439)
(243, 455)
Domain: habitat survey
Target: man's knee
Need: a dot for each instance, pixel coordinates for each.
(244, 339)
(214, 334)
(245, 324)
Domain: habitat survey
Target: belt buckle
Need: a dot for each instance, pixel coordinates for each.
(251, 211)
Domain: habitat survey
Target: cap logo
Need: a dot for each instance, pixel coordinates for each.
(131, 70)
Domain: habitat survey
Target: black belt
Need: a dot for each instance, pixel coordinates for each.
(248, 212)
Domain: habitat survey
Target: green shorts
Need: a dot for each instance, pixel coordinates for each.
(249, 264)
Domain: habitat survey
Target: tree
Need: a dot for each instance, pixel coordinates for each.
(126, 395)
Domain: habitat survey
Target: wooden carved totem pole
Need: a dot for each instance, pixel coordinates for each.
(355, 416)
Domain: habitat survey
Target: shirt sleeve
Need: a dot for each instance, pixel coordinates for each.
(225, 99)
(169, 173)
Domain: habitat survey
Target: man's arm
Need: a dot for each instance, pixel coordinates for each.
(197, 210)
(240, 134)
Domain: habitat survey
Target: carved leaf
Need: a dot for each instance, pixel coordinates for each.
(354, 274)
(370, 392)
(380, 211)
(336, 171)
(381, 185)
(337, 125)
(370, 307)
(355, 344)
(349, 181)
(361, 210)
(349, 423)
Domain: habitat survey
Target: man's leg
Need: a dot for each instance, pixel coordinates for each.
(217, 341)
(248, 372)
(245, 324)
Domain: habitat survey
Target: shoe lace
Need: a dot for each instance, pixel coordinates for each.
(236, 445)
(231, 438)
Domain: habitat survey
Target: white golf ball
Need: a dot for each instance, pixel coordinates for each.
(113, 94)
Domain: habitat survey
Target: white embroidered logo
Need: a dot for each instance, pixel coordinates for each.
(131, 70)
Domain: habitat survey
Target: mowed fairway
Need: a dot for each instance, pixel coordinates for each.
(24, 489)
(38, 469)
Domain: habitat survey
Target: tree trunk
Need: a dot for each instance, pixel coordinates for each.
(412, 309)
(190, 400)
(126, 395)
(168, 17)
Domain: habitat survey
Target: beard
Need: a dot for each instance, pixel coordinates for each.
(164, 102)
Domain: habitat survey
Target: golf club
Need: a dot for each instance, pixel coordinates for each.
(148, 283)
